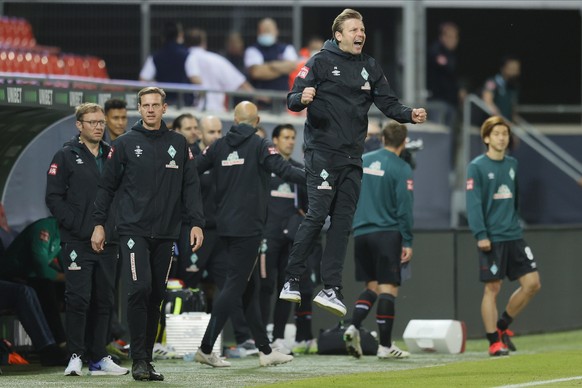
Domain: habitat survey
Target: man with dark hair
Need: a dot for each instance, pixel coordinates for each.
(501, 92)
(187, 125)
(492, 200)
(115, 118)
(382, 238)
(337, 86)
(168, 64)
(89, 276)
(154, 171)
(242, 163)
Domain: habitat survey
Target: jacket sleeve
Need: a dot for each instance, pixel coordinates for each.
(304, 79)
(405, 201)
(475, 214)
(57, 184)
(385, 98)
(205, 161)
(109, 183)
(42, 237)
(191, 195)
(275, 163)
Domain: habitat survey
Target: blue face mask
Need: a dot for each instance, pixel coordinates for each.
(266, 39)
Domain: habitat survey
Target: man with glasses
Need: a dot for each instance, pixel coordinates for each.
(154, 171)
(89, 277)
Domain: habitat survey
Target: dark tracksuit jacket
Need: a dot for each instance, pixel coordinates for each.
(492, 199)
(72, 181)
(242, 163)
(386, 199)
(337, 121)
(154, 175)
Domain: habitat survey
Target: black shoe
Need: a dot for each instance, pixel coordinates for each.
(505, 337)
(140, 370)
(154, 376)
(290, 291)
(52, 355)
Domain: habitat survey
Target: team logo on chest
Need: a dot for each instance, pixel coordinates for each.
(172, 151)
(503, 192)
(73, 266)
(325, 184)
(138, 151)
(374, 169)
(233, 160)
(512, 173)
(365, 75)
(491, 175)
(283, 191)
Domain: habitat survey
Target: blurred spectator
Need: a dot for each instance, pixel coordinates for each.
(32, 258)
(22, 300)
(187, 125)
(115, 118)
(501, 92)
(234, 50)
(168, 64)
(268, 61)
(219, 73)
(442, 78)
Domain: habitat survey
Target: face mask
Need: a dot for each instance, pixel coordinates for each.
(266, 39)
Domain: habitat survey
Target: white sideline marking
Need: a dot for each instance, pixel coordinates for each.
(541, 382)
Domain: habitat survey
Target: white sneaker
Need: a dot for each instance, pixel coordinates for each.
(275, 358)
(210, 359)
(352, 340)
(290, 291)
(164, 352)
(75, 366)
(391, 352)
(106, 366)
(330, 299)
(280, 346)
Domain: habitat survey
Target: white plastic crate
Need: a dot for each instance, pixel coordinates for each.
(435, 335)
(184, 332)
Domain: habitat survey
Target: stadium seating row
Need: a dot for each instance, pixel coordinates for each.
(19, 53)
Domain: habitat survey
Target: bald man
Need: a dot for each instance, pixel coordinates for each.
(242, 164)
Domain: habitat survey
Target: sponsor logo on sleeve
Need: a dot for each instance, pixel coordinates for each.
(44, 235)
(303, 72)
(470, 184)
(190, 154)
(409, 185)
(53, 169)
(110, 155)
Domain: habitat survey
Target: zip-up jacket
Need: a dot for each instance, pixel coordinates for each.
(155, 172)
(346, 86)
(242, 163)
(71, 187)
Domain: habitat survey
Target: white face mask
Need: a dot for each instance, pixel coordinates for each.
(266, 39)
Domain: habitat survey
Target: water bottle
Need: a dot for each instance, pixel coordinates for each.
(189, 357)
